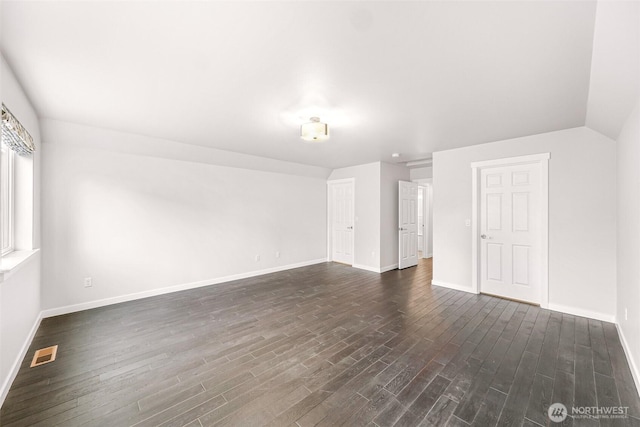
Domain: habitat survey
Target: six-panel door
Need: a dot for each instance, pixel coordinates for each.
(510, 232)
(407, 224)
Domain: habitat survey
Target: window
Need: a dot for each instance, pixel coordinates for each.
(15, 141)
(6, 197)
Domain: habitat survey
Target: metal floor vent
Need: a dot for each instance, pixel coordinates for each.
(44, 355)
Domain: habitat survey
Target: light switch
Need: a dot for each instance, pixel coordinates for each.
(467, 222)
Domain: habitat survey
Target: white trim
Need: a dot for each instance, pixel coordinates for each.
(329, 240)
(544, 225)
(508, 161)
(427, 213)
(582, 312)
(170, 289)
(11, 201)
(388, 268)
(366, 267)
(423, 181)
(543, 160)
(376, 269)
(14, 261)
(15, 368)
(627, 352)
(475, 242)
(353, 212)
(423, 163)
(453, 286)
(340, 181)
(554, 307)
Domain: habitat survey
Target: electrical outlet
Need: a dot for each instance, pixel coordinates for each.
(87, 282)
(257, 258)
(277, 254)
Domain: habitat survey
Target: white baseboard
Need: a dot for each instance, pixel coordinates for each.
(4, 390)
(170, 289)
(429, 255)
(388, 268)
(452, 286)
(582, 313)
(555, 307)
(632, 362)
(375, 269)
(366, 267)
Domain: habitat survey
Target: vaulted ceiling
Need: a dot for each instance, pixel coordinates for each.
(408, 77)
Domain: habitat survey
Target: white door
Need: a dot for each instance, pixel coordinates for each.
(510, 230)
(421, 236)
(408, 224)
(341, 205)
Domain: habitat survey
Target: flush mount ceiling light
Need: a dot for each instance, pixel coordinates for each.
(314, 131)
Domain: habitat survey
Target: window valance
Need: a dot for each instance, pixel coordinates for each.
(14, 135)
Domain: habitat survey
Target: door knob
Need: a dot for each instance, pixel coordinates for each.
(483, 236)
(350, 227)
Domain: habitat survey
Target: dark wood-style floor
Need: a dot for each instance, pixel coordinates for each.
(322, 345)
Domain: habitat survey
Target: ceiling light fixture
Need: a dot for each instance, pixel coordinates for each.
(314, 131)
(395, 155)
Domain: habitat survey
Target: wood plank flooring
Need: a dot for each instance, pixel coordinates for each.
(324, 345)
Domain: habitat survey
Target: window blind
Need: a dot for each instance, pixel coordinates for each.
(14, 135)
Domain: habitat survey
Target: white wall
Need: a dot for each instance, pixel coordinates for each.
(615, 66)
(390, 174)
(366, 245)
(19, 318)
(376, 213)
(421, 173)
(20, 290)
(628, 289)
(140, 222)
(614, 91)
(582, 216)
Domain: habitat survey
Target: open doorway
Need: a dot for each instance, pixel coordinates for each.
(421, 173)
(425, 219)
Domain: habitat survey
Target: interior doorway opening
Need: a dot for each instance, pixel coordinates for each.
(425, 229)
(425, 218)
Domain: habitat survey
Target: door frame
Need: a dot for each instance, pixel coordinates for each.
(427, 208)
(330, 183)
(411, 183)
(422, 189)
(476, 167)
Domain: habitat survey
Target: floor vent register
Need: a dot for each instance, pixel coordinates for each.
(44, 355)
